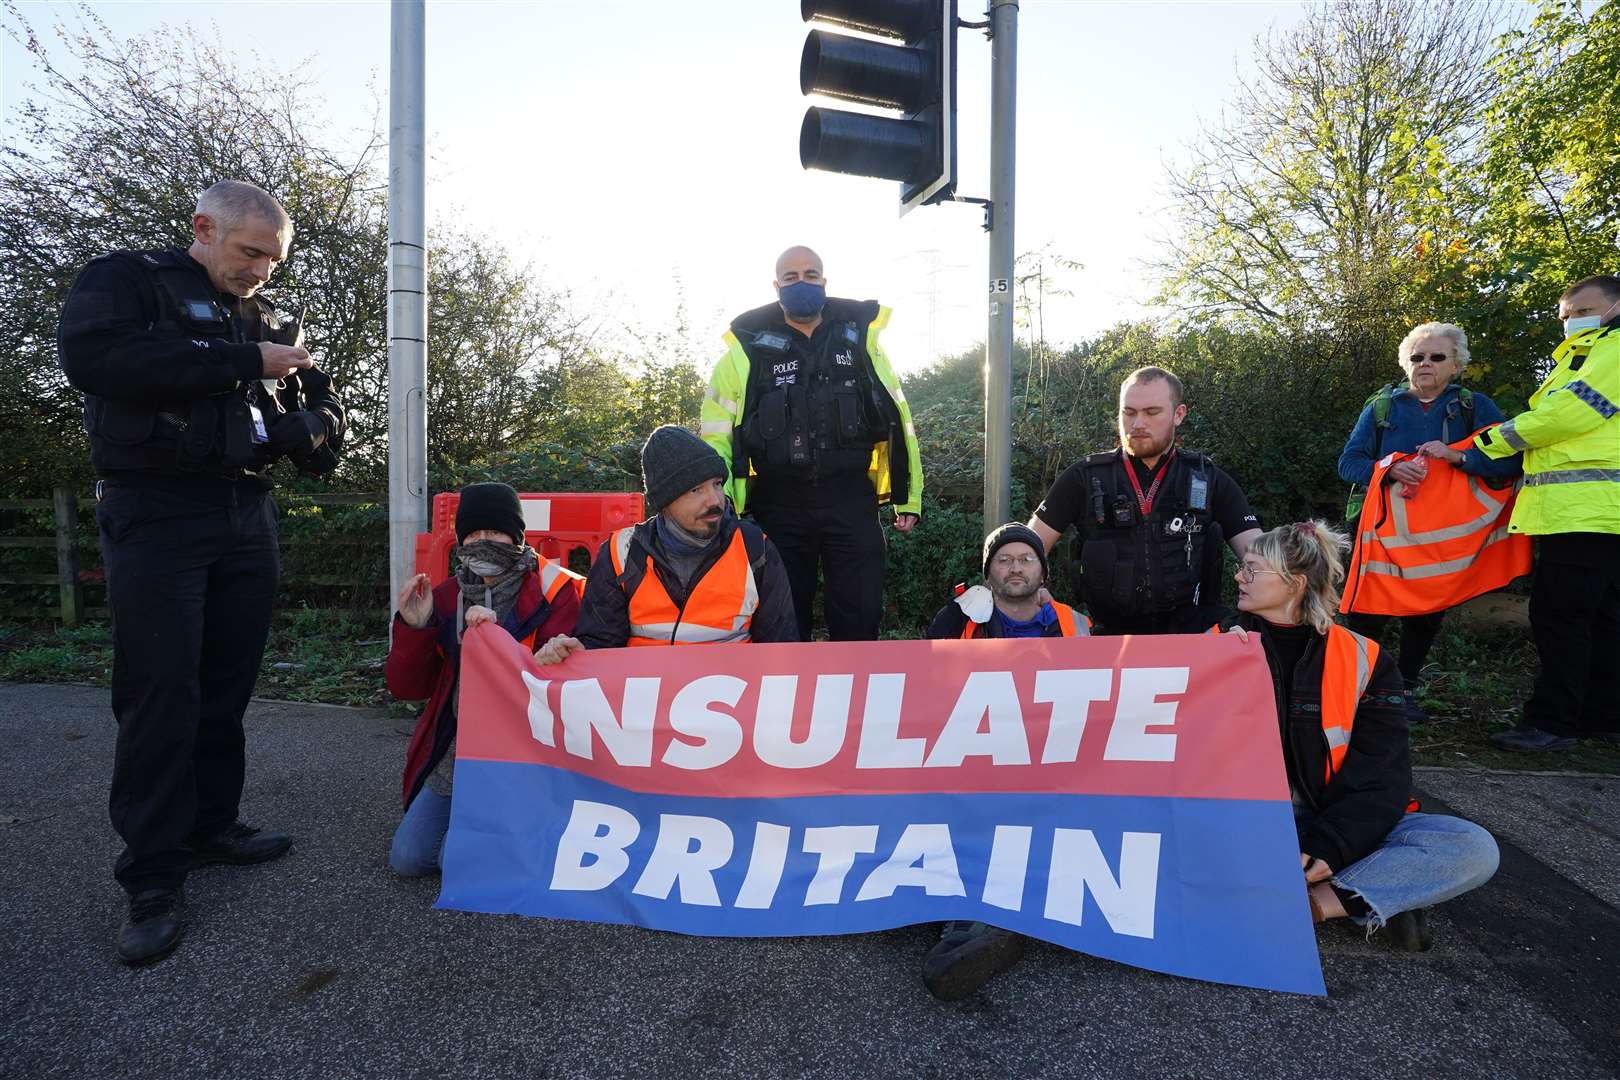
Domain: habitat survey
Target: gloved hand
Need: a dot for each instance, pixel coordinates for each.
(298, 434)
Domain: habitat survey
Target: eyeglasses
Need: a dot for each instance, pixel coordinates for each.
(1433, 358)
(1247, 573)
(1007, 562)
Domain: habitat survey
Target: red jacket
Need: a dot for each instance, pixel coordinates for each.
(425, 663)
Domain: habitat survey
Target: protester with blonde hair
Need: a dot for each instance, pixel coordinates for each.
(1365, 852)
(1424, 413)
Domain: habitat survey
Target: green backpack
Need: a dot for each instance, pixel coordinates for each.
(1380, 401)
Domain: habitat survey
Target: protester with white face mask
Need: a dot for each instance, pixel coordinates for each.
(1570, 439)
(501, 580)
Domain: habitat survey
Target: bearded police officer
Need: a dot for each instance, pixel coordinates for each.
(816, 435)
(1150, 519)
(193, 388)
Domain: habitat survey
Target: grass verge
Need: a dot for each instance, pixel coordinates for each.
(323, 656)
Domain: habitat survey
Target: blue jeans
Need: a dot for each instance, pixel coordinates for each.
(419, 840)
(1425, 859)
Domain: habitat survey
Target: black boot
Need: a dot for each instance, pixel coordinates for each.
(239, 845)
(968, 955)
(153, 929)
(1409, 931)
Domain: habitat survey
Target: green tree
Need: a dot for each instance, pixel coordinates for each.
(1551, 173)
(1295, 209)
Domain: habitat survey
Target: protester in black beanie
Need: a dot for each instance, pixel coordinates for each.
(489, 506)
(1010, 533)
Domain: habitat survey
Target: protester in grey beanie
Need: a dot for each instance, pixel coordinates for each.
(674, 461)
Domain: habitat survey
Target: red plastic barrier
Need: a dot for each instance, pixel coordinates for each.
(557, 523)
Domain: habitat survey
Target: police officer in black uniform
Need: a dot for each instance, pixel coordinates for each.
(1150, 519)
(193, 387)
(809, 417)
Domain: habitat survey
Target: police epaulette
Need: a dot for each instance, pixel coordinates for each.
(1102, 457)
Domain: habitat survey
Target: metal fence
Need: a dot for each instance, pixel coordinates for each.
(324, 565)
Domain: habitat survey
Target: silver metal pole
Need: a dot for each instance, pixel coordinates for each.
(407, 288)
(998, 346)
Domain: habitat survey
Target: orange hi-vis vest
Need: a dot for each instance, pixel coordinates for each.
(1448, 543)
(554, 576)
(1069, 622)
(1347, 667)
(719, 609)
(1346, 670)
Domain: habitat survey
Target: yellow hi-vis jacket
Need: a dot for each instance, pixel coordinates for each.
(1570, 437)
(725, 403)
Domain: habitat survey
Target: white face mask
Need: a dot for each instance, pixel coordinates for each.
(1585, 322)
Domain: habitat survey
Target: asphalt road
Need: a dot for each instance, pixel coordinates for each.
(324, 965)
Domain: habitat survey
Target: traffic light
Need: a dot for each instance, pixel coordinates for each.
(916, 78)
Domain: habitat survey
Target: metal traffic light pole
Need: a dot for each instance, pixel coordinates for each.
(407, 289)
(998, 345)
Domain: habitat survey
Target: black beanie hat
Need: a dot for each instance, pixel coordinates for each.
(1014, 533)
(674, 461)
(489, 506)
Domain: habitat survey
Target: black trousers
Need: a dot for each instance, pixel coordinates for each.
(834, 529)
(1575, 620)
(1418, 633)
(191, 579)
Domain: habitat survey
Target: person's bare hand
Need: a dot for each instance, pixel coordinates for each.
(416, 601)
(1315, 869)
(1240, 633)
(1436, 449)
(478, 615)
(1410, 473)
(281, 361)
(1042, 596)
(558, 649)
(905, 522)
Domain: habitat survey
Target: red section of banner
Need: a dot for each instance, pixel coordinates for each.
(1109, 716)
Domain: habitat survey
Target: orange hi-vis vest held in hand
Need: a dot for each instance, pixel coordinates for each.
(719, 608)
(1446, 544)
(1069, 622)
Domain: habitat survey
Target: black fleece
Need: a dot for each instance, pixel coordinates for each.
(1347, 819)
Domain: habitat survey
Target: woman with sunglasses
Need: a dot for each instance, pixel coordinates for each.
(1364, 851)
(1424, 414)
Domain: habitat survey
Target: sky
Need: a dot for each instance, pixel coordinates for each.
(640, 154)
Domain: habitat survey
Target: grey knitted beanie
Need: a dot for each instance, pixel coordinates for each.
(674, 461)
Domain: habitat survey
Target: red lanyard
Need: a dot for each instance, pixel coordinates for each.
(1145, 502)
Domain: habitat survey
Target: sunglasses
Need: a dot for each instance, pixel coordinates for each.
(1433, 358)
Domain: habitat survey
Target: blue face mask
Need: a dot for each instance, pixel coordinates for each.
(803, 299)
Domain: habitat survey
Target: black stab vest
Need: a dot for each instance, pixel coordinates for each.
(1132, 566)
(828, 419)
(209, 435)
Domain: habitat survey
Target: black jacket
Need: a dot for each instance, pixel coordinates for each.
(141, 369)
(604, 618)
(1345, 820)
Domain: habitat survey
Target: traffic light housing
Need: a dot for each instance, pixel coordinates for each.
(916, 77)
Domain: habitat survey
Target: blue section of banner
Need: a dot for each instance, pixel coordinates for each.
(1204, 888)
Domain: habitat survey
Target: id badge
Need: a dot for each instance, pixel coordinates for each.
(260, 435)
(1198, 498)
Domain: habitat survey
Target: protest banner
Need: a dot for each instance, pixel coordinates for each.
(1120, 796)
